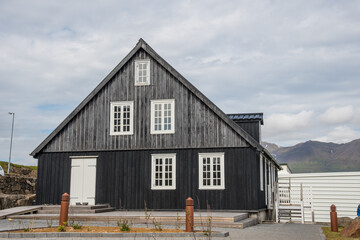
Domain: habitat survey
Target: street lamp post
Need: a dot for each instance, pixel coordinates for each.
(12, 132)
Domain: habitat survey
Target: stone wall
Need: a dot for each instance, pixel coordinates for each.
(14, 184)
(16, 190)
(15, 200)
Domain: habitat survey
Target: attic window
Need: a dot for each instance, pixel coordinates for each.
(142, 72)
(121, 120)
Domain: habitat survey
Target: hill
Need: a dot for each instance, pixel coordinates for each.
(19, 169)
(314, 156)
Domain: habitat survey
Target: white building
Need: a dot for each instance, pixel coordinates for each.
(322, 190)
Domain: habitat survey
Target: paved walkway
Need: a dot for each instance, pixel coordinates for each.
(284, 231)
(279, 231)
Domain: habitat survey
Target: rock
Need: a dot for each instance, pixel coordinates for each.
(16, 188)
(345, 221)
(30, 183)
(353, 230)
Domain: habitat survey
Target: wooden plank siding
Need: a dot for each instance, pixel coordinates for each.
(196, 125)
(124, 179)
(252, 128)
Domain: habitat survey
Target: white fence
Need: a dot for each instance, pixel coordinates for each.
(294, 203)
(341, 189)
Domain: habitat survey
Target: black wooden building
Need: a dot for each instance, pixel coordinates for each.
(146, 135)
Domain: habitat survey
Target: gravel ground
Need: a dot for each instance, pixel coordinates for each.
(285, 231)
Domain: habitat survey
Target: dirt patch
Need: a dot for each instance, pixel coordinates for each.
(94, 229)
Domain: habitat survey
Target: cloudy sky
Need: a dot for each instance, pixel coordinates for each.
(297, 62)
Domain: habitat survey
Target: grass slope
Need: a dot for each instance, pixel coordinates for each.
(4, 165)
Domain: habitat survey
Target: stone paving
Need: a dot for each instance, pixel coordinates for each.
(285, 231)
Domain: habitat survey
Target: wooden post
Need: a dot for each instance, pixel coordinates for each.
(189, 215)
(64, 210)
(302, 203)
(312, 206)
(333, 219)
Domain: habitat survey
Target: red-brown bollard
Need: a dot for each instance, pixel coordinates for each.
(333, 219)
(64, 210)
(189, 215)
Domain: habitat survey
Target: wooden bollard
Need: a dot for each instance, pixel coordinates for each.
(333, 219)
(64, 209)
(189, 215)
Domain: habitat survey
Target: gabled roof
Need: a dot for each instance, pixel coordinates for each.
(143, 45)
(243, 117)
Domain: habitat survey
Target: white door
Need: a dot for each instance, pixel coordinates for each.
(83, 180)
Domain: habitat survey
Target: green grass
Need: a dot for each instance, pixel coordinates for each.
(334, 235)
(4, 165)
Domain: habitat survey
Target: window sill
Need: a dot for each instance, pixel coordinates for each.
(117, 134)
(162, 132)
(142, 84)
(211, 188)
(162, 188)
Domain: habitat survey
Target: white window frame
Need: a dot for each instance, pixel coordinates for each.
(172, 116)
(221, 155)
(137, 63)
(121, 104)
(261, 173)
(153, 165)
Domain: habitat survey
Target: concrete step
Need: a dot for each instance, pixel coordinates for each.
(101, 210)
(134, 220)
(77, 210)
(240, 217)
(168, 220)
(248, 222)
(57, 207)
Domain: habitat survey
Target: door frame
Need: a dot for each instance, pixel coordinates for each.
(84, 157)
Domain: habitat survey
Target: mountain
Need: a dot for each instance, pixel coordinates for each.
(314, 156)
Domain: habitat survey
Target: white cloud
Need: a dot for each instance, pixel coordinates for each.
(336, 115)
(340, 134)
(286, 122)
(280, 58)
